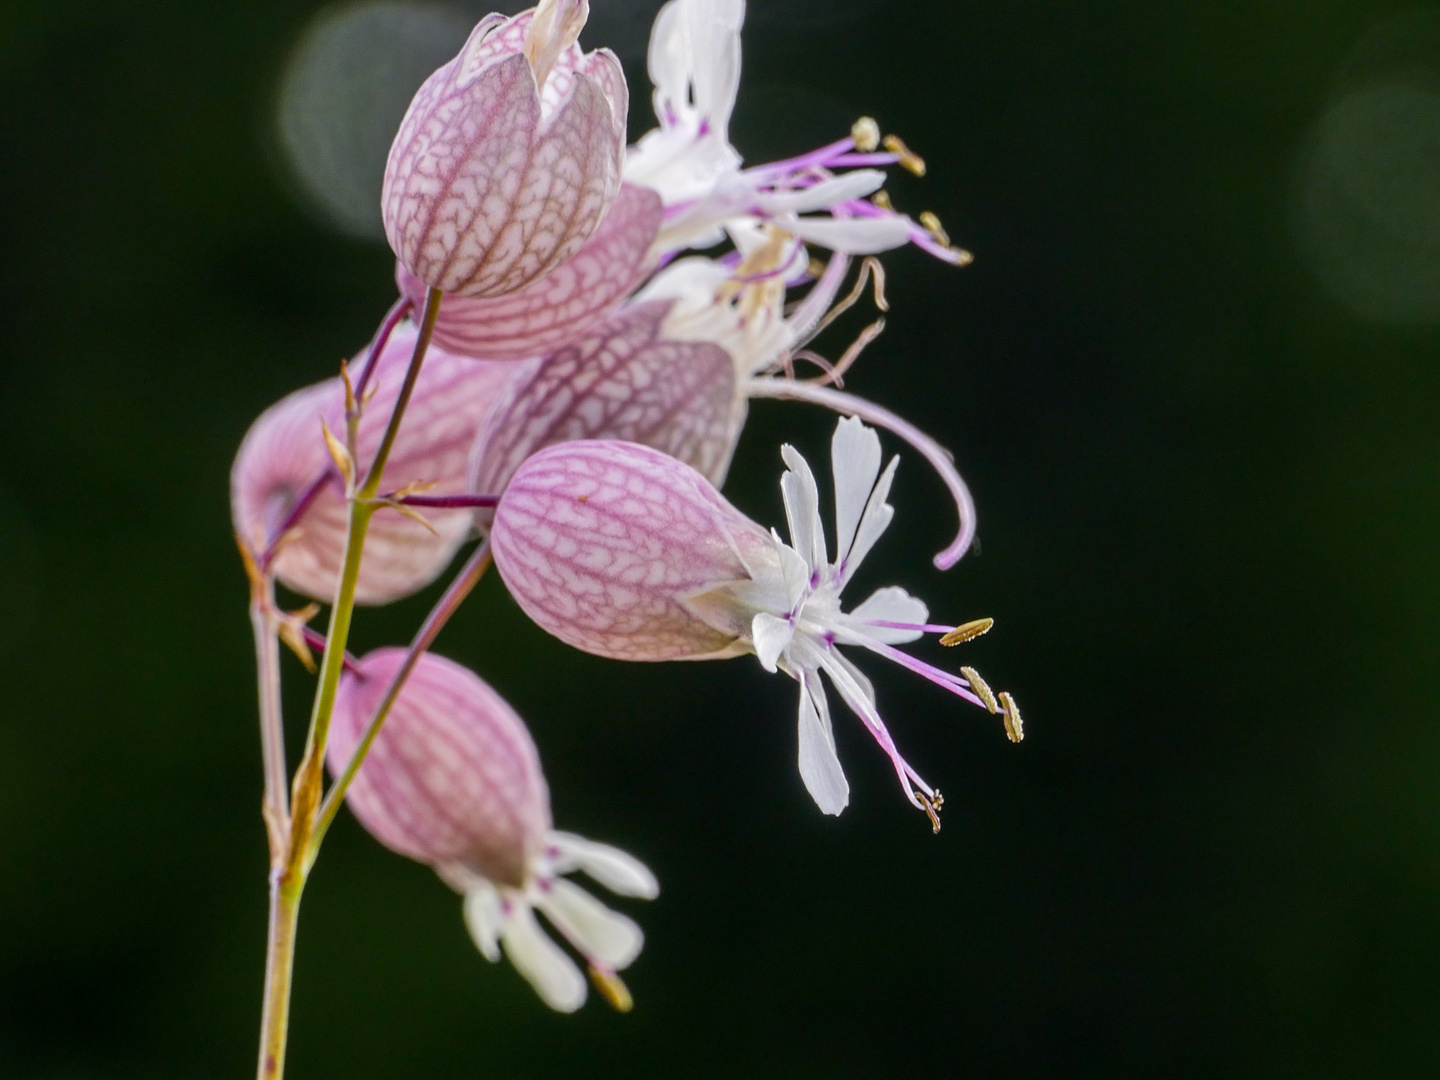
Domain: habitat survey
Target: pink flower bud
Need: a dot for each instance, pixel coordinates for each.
(508, 157)
(625, 380)
(453, 780)
(284, 457)
(603, 544)
(562, 305)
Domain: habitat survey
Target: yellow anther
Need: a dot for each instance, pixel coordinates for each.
(612, 989)
(934, 228)
(1013, 727)
(881, 199)
(866, 133)
(816, 268)
(981, 688)
(932, 805)
(909, 160)
(967, 632)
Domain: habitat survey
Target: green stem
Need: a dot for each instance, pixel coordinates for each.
(446, 606)
(288, 878)
(279, 967)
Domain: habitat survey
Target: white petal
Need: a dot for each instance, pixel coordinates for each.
(770, 635)
(822, 196)
(853, 236)
(802, 508)
(855, 462)
(858, 679)
(602, 936)
(485, 920)
(794, 571)
(819, 764)
(697, 42)
(617, 870)
(874, 521)
(543, 963)
(891, 604)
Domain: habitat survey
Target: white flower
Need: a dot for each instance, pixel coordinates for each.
(797, 623)
(694, 63)
(502, 916)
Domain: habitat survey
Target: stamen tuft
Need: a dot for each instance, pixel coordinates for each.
(866, 133)
(968, 632)
(881, 199)
(981, 688)
(909, 160)
(612, 989)
(1013, 727)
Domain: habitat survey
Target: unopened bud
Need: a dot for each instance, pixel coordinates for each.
(286, 458)
(508, 156)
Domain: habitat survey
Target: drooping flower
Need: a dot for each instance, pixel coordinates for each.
(453, 780)
(694, 64)
(287, 500)
(509, 155)
(562, 305)
(624, 552)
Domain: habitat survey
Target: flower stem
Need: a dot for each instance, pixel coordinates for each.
(288, 877)
(285, 890)
(446, 606)
(272, 731)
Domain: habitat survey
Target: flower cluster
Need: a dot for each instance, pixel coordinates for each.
(566, 374)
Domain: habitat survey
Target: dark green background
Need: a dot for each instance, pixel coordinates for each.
(1209, 525)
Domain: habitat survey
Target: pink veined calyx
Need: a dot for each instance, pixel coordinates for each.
(453, 780)
(509, 155)
(624, 552)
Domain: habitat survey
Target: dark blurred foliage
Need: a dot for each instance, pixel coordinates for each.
(1208, 498)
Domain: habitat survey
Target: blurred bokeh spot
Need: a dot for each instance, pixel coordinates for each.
(342, 96)
(1368, 200)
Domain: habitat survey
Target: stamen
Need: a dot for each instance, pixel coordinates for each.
(932, 806)
(934, 228)
(866, 133)
(870, 266)
(909, 160)
(981, 688)
(968, 632)
(1013, 727)
(850, 355)
(612, 989)
(881, 199)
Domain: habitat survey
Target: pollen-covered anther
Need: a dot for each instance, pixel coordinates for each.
(934, 228)
(612, 988)
(866, 133)
(881, 199)
(981, 688)
(968, 632)
(932, 805)
(1013, 727)
(908, 159)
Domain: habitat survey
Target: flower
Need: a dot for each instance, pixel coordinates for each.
(694, 63)
(562, 305)
(453, 780)
(287, 501)
(508, 156)
(624, 552)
